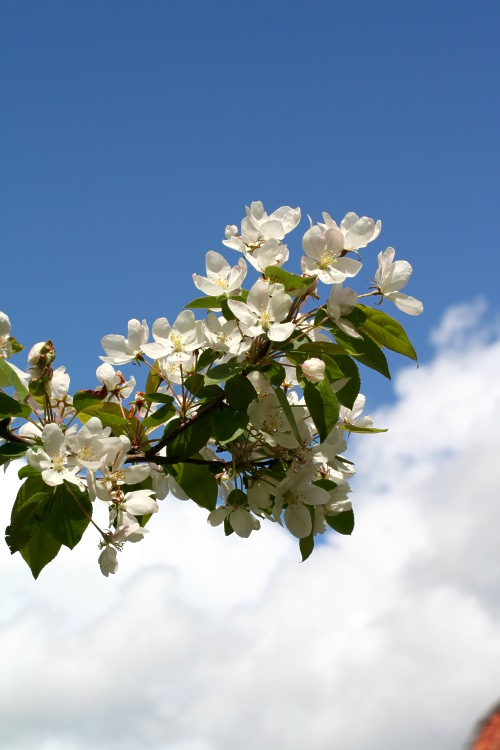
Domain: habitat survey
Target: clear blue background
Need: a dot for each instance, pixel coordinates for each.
(132, 133)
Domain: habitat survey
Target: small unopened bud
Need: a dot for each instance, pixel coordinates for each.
(314, 369)
(231, 231)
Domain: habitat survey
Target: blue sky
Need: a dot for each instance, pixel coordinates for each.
(132, 134)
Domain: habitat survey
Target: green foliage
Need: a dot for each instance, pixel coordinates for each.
(198, 483)
(45, 518)
(349, 392)
(365, 350)
(323, 406)
(160, 416)
(239, 392)
(9, 378)
(294, 285)
(285, 405)
(10, 451)
(190, 438)
(223, 372)
(383, 329)
(9, 407)
(343, 522)
(306, 546)
(228, 424)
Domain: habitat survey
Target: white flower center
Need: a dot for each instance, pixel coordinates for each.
(87, 452)
(326, 260)
(265, 318)
(59, 462)
(221, 281)
(176, 340)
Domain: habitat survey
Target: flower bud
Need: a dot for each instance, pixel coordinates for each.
(231, 231)
(42, 354)
(314, 369)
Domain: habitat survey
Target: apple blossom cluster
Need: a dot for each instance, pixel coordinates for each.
(243, 410)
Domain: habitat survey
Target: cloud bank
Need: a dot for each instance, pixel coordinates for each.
(389, 639)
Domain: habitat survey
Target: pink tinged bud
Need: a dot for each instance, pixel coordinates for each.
(314, 369)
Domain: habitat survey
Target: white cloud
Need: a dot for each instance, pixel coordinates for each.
(385, 640)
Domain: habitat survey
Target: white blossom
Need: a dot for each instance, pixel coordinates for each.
(178, 341)
(108, 561)
(393, 276)
(358, 232)
(121, 350)
(220, 278)
(59, 384)
(51, 461)
(116, 385)
(323, 245)
(342, 301)
(296, 491)
(92, 445)
(240, 519)
(5, 329)
(257, 226)
(224, 335)
(115, 473)
(352, 416)
(266, 307)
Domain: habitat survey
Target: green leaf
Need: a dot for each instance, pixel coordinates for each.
(160, 416)
(9, 407)
(194, 383)
(365, 350)
(223, 372)
(41, 547)
(348, 394)
(9, 451)
(9, 377)
(69, 514)
(158, 398)
(111, 415)
(191, 439)
(226, 311)
(306, 546)
(366, 430)
(285, 405)
(154, 380)
(15, 345)
(323, 406)
(44, 518)
(343, 523)
(26, 521)
(31, 486)
(210, 393)
(198, 483)
(204, 303)
(229, 424)
(294, 285)
(239, 392)
(237, 497)
(206, 358)
(84, 399)
(40, 550)
(275, 373)
(325, 484)
(321, 348)
(383, 329)
(27, 471)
